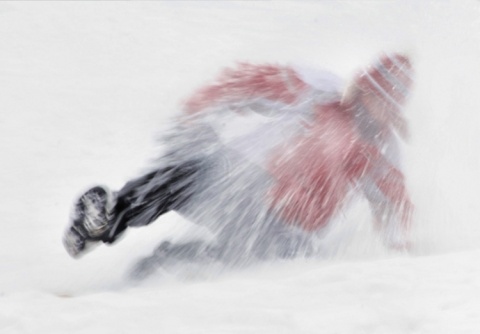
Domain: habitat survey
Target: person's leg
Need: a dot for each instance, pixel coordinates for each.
(168, 253)
(100, 215)
(142, 201)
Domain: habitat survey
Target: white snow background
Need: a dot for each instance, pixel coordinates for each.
(86, 86)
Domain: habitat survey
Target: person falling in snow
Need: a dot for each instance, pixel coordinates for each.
(266, 157)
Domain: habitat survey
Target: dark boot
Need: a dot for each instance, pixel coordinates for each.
(91, 220)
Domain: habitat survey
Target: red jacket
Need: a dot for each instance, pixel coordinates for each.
(334, 154)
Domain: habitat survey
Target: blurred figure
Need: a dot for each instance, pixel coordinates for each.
(266, 157)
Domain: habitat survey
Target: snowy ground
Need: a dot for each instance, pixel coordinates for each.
(85, 86)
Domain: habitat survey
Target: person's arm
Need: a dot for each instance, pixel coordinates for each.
(258, 88)
(383, 185)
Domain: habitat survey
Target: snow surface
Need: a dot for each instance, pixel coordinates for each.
(86, 86)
